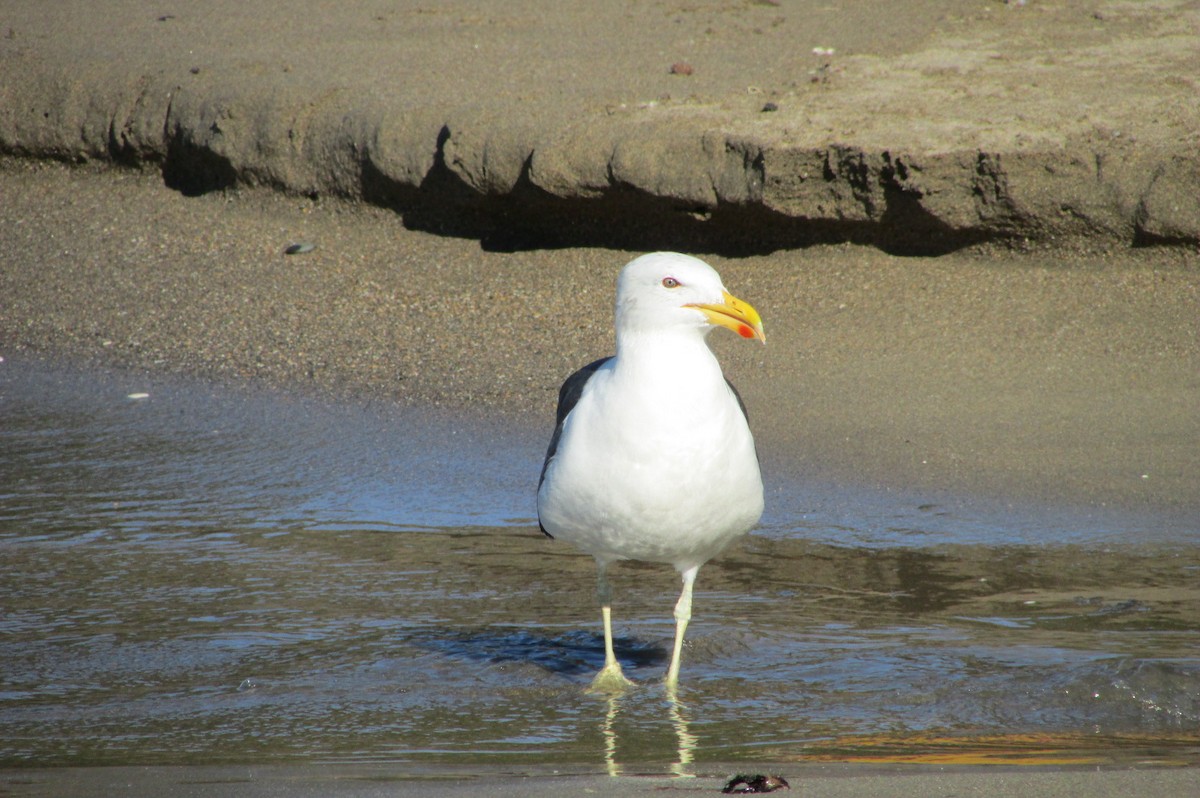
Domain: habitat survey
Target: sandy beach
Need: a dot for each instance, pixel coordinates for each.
(1046, 375)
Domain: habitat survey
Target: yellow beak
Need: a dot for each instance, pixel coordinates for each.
(735, 314)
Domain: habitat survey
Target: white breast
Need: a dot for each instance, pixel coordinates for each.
(656, 462)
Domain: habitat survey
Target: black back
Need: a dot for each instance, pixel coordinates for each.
(568, 397)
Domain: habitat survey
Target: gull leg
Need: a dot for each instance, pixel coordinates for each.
(611, 679)
(683, 614)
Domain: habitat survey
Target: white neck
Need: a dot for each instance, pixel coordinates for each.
(676, 359)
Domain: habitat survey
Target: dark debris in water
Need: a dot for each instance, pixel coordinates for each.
(744, 784)
(1117, 608)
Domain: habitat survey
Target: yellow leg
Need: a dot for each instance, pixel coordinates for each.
(683, 614)
(611, 679)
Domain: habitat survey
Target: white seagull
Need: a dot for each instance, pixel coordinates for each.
(652, 457)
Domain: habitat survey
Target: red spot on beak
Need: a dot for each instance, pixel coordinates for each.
(745, 331)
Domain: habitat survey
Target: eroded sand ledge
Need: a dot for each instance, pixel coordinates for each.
(521, 124)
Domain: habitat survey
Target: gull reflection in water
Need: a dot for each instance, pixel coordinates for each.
(685, 741)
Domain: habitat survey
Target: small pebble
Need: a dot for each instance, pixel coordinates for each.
(299, 248)
(681, 68)
(138, 396)
(769, 107)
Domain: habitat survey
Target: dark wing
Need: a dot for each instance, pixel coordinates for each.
(738, 396)
(745, 415)
(568, 397)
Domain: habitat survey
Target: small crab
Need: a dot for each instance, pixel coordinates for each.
(743, 783)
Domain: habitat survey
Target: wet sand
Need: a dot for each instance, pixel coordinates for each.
(1065, 376)
(362, 781)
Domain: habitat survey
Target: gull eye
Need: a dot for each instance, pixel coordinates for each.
(670, 282)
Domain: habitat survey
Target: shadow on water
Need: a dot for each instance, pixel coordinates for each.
(209, 576)
(575, 653)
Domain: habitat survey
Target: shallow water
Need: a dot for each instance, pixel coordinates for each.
(215, 575)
